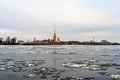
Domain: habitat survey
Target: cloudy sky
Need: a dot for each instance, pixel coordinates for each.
(75, 19)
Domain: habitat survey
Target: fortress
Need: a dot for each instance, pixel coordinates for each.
(55, 40)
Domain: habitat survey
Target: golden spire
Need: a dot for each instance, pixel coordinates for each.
(54, 27)
(54, 35)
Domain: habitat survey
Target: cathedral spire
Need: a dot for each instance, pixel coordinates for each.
(54, 35)
(55, 28)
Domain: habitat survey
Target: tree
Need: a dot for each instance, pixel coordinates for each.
(13, 40)
(1, 40)
(7, 40)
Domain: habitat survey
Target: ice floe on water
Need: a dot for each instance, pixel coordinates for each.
(60, 62)
(18, 66)
(92, 65)
(43, 72)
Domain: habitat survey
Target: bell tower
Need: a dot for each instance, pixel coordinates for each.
(54, 35)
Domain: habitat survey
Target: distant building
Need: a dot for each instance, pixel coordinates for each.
(58, 39)
(55, 39)
(105, 42)
(20, 42)
(7, 40)
(13, 40)
(34, 39)
(54, 35)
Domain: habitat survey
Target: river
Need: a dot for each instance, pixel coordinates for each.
(54, 56)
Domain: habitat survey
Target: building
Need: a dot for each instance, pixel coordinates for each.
(20, 42)
(105, 42)
(55, 39)
(54, 34)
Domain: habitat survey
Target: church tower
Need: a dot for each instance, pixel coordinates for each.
(54, 35)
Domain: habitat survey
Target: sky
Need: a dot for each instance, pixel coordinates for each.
(75, 19)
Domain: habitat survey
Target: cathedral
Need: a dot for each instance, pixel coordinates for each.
(55, 39)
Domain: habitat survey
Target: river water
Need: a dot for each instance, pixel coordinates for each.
(55, 56)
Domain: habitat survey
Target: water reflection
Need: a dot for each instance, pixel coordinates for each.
(54, 57)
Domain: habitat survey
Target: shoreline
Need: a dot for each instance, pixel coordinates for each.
(62, 44)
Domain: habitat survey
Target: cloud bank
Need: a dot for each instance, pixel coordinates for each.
(82, 19)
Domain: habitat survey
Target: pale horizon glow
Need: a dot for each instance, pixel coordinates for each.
(75, 19)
